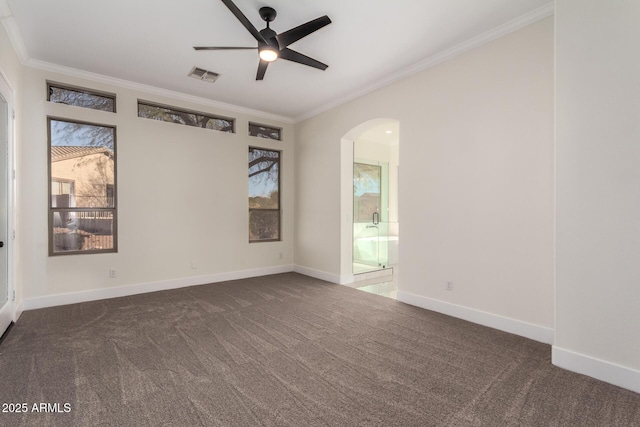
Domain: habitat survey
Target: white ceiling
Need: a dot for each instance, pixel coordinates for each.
(369, 43)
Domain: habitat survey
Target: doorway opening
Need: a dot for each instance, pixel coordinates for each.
(372, 150)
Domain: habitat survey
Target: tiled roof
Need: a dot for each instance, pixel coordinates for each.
(65, 152)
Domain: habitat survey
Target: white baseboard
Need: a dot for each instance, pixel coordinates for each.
(18, 311)
(322, 275)
(141, 288)
(596, 368)
(502, 323)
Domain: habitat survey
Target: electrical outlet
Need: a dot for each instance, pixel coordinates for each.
(194, 264)
(280, 255)
(449, 286)
(112, 273)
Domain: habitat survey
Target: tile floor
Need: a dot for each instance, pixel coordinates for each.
(385, 289)
(385, 285)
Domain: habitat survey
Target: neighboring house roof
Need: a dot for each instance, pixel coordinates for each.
(65, 152)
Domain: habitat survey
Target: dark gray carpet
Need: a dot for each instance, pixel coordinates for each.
(287, 350)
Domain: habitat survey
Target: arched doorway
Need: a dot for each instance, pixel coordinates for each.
(370, 166)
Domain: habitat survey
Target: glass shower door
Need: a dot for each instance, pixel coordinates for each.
(370, 216)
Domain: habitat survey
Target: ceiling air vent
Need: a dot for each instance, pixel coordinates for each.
(200, 74)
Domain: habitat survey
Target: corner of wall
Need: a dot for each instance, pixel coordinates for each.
(602, 370)
(322, 275)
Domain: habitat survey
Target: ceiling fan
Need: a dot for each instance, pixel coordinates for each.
(271, 45)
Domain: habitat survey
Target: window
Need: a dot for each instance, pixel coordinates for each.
(60, 187)
(262, 131)
(165, 113)
(367, 186)
(264, 195)
(81, 97)
(82, 176)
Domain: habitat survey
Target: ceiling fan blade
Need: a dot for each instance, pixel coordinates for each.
(222, 48)
(295, 34)
(262, 68)
(292, 55)
(244, 21)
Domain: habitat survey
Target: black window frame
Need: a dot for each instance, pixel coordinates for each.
(79, 89)
(104, 210)
(253, 125)
(279, 209)
(179, 110)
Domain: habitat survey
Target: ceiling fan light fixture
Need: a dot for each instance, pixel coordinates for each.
(272, 45)
(268, 53)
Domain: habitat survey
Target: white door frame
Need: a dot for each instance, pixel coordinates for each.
(7, 93)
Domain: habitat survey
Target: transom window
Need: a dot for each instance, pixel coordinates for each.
(169, 114)
(81, 97)
(263, 131)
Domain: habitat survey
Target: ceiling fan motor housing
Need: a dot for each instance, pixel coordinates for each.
(268, 14)
(270, 37)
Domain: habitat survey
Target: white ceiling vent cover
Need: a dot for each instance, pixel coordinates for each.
(201, 74)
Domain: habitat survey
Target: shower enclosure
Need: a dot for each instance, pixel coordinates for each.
(370, 215)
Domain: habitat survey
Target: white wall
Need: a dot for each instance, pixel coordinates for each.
(182, 196)
(598, 189)
(476, 182)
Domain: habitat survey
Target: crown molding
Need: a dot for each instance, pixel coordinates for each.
(10, 26)
(443, 56)
(8, 21)
(127, 84)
